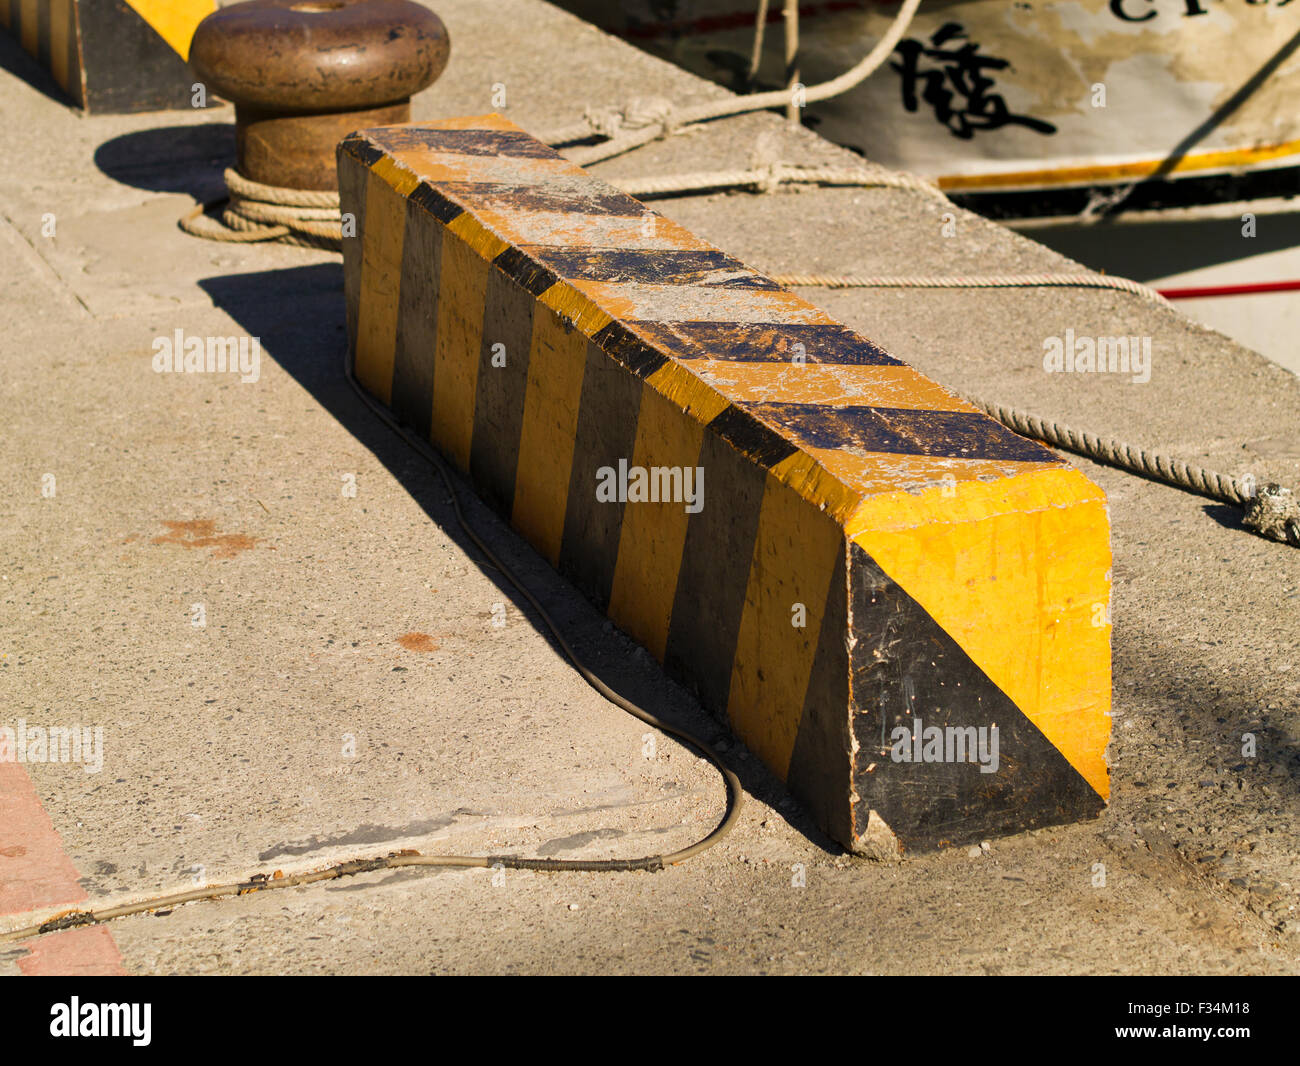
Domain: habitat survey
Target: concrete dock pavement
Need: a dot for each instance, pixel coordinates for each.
(350, 691)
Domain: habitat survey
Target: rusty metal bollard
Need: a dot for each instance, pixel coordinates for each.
(303, 74)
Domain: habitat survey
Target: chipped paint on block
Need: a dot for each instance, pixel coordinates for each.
(898, 604)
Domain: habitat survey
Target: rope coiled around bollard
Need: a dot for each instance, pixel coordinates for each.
(255, 212)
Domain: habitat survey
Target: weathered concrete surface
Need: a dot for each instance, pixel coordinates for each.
(225, 745)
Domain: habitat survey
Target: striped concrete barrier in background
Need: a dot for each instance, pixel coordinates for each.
(112, 55)
(899, 605)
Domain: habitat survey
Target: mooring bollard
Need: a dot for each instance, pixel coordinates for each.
(302, 75)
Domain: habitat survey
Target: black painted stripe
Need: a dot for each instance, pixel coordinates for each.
(904, 666)
(652, 267)
(75, 87)
(714, 575)
(43, 43)
(629, 349)
(751, 437)
(820, 762)
(360, 149)
(353, 175)
(431, 199)
(607, 415)
(496, 194)
(768, 343)
(417, 321)
(940, 434)
(16, 20)
(524, 269)
(513, 143)
(499, 397)
(1149, 194)
(127, 66)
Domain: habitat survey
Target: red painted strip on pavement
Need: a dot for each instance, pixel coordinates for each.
(88, 952)
(1244, 289)
(35, 872)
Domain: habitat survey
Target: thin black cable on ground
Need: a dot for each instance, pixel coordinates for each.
(263, 882)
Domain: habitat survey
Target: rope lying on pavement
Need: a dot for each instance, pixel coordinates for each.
(1114, 452)
(768, 179)
(656, 117)
(976, 281)
(1272, 511)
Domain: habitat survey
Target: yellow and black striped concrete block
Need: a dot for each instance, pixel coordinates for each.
(898, 604)
(112, 55)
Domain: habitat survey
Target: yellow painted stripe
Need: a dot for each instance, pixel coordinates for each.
(462, 298)
(1015, 572)
(381, 276)
(174, 20)
(653, 534)
(529, 227)
(1229, 157)
(29, 28)
(898, 387)
(398, 176)
(439, 166)
(708, 303)
(570, 304)
(688, 393)
(532, 229)
(794, 557)
(1037, 487)
(60, 31)
(872, 473)
(475, 235)
(557, 362)
(813, 482)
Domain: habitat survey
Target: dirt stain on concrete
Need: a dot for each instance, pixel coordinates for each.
(202, 533)
(362, 835)
(418, 642)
